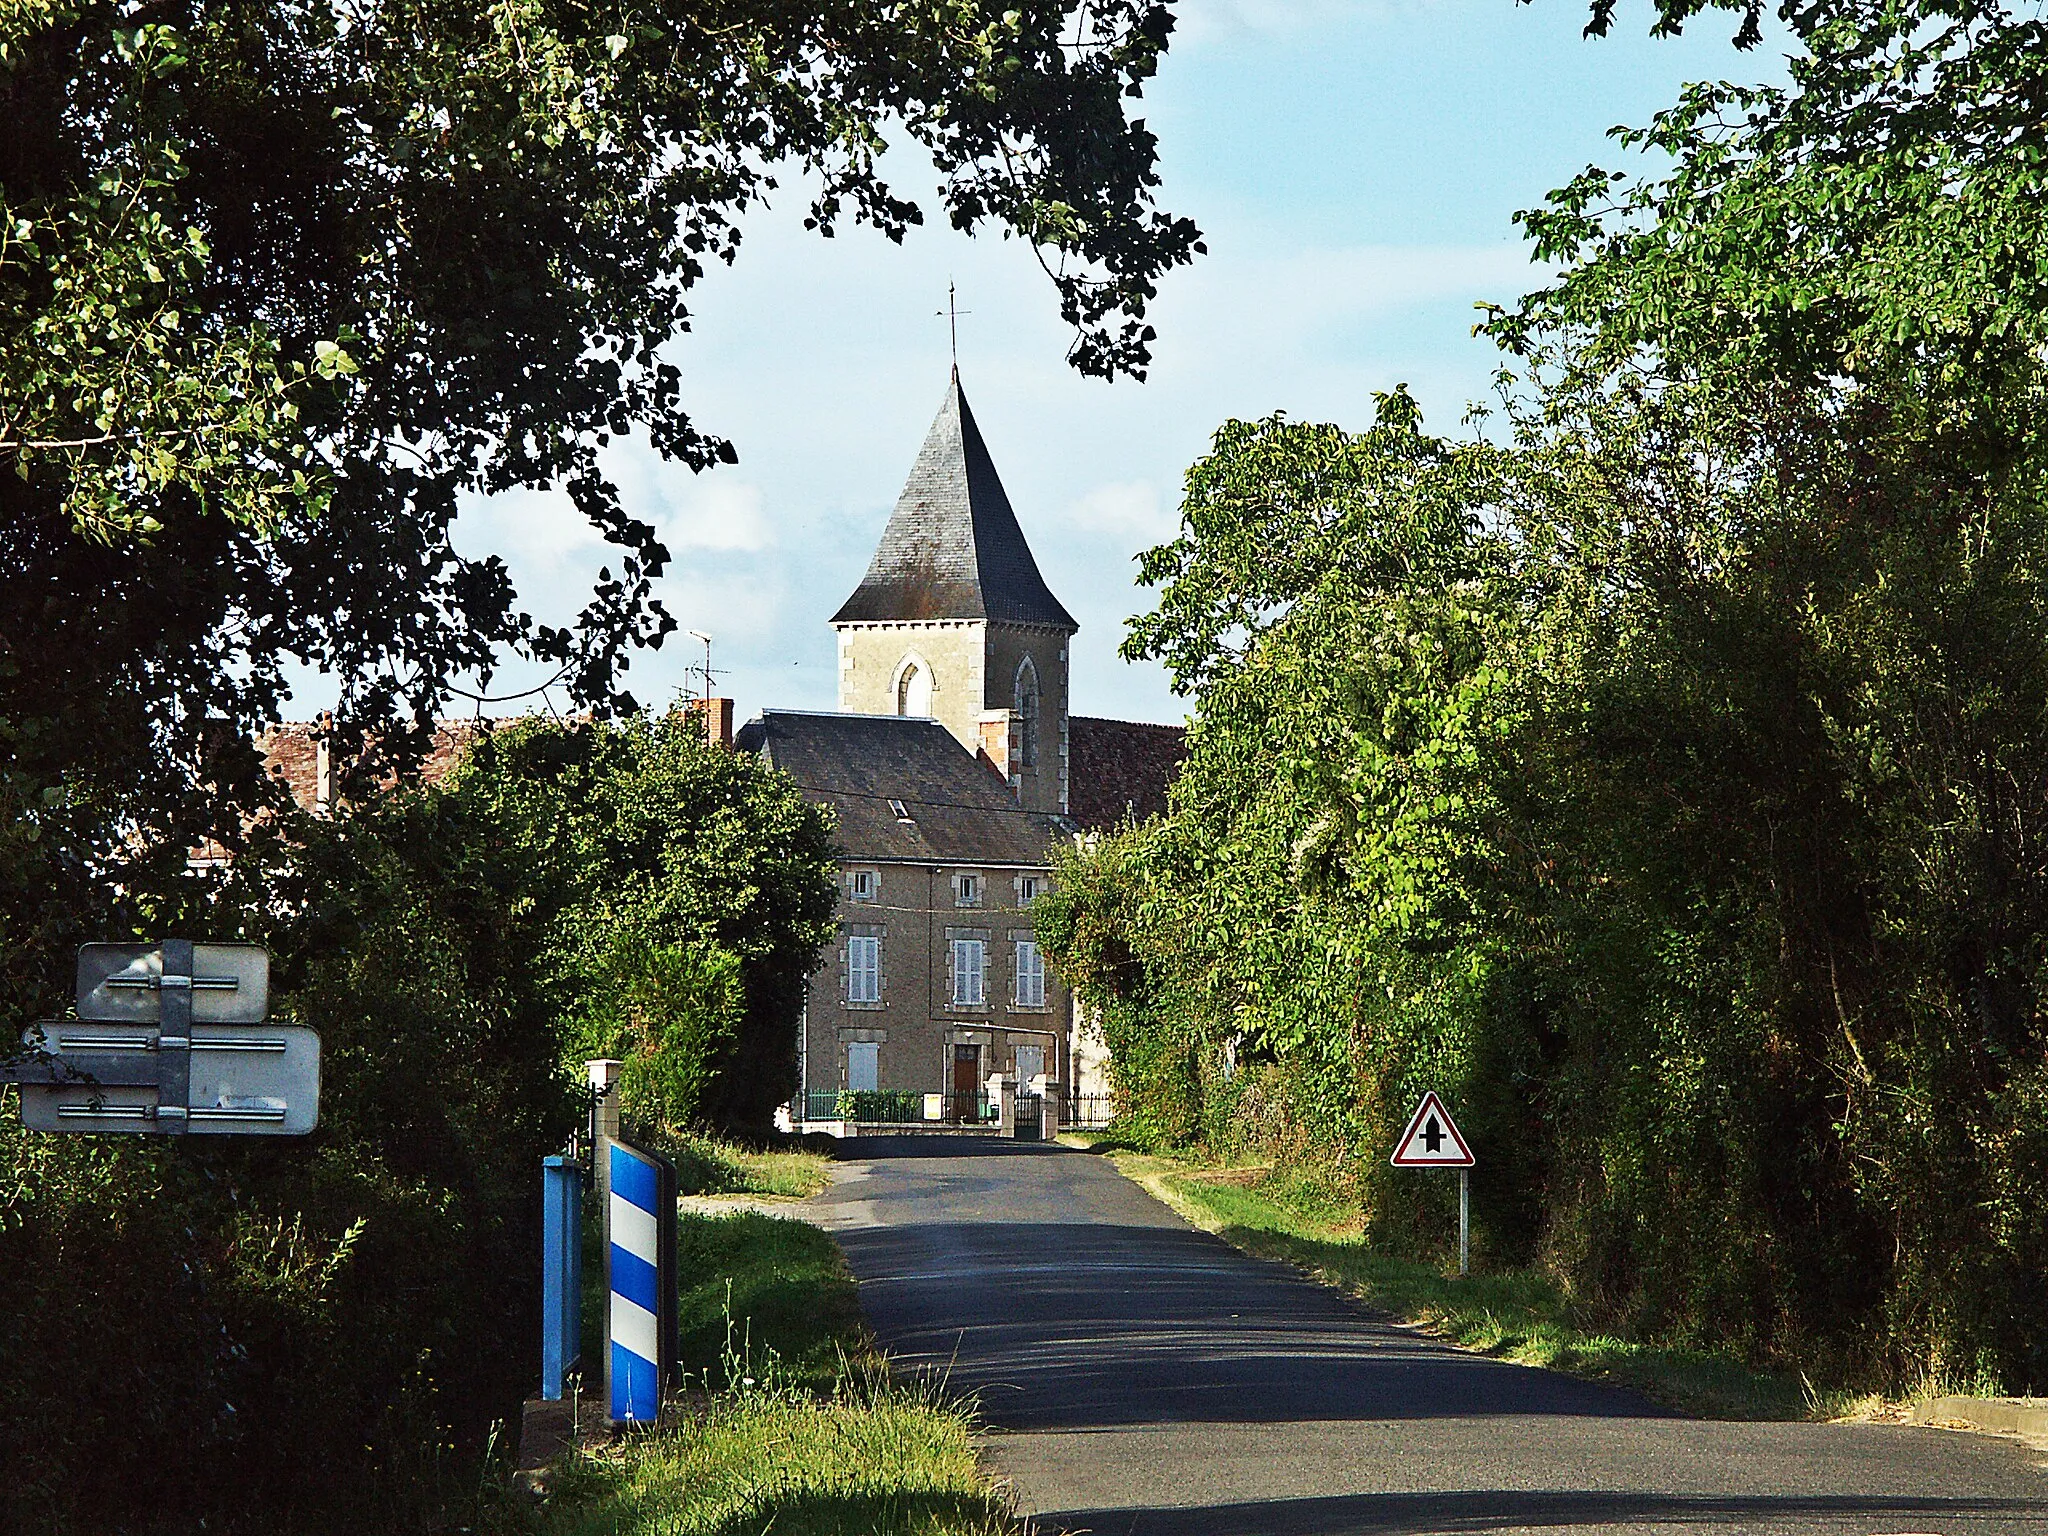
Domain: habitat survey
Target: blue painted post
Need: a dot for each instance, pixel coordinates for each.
(561, 1286)
(637, 1279)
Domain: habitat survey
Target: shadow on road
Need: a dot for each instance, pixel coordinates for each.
(1073, 1300)
(1413, 1514)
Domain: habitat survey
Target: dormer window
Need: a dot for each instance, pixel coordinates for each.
(900, 811)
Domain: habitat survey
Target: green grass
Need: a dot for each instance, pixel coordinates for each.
(707, 1167)
(873, 1460)
(1517, 1315)
(764, 1293)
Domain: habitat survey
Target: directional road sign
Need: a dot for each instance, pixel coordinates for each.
(1431, 1140)
(170, 1038)
(243, 1080)
(230, 983)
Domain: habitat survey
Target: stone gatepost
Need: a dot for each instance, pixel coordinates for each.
(1047, 1087)
(1002, 1093)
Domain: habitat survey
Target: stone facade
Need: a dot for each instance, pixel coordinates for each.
(1001, 689)
(914, 914)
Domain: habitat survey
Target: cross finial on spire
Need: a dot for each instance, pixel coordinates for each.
(953, 312)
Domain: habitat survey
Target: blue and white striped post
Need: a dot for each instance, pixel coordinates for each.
(640, 1275)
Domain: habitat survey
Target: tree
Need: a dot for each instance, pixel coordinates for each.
(278, 284)
(1661, 771)
(687, 890)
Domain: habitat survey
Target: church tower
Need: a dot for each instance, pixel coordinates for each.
(953, 620)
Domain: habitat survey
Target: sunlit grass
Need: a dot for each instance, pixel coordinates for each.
(708, 1167)
(766, 1289)
(1517, 1315)
(873, 1460)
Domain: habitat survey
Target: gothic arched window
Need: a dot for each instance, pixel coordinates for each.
(1027, 714)
(914, 689)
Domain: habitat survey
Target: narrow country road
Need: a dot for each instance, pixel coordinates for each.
(1141, 1378)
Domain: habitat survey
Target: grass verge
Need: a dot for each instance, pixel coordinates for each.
(797, 1427)
(1518, 1315)
(874, 1459)
(764, 1296)
(707, 1167)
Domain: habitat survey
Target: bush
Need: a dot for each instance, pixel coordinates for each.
(312, 1332)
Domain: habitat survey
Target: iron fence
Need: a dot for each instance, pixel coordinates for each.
(897, 1107)
(1087, 1111)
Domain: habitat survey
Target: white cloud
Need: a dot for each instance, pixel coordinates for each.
(529, 528)
(1126, 512)
(719, 514)
(712, 510)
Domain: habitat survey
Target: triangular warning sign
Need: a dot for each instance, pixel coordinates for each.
(1431, 1140)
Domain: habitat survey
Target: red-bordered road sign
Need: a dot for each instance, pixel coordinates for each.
(1432, 1139)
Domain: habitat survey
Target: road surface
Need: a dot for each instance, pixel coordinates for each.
(1142, 1378)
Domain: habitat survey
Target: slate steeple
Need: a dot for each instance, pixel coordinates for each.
(952, 548)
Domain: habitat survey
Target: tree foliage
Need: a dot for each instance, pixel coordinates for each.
(1659, 772)
(279, 284)
(689, 889)
(314, 1333)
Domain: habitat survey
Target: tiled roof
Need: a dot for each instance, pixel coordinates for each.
(952, 549)
(291, 752)
(1119, 768)
(956, 808)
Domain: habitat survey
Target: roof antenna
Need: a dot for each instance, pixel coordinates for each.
(952, 312)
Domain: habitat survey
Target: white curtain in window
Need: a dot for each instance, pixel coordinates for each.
(1030, 975)
(864, 969)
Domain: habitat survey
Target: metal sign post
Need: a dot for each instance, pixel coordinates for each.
(561, 1304)
(170, 1039)
(1432, 1141)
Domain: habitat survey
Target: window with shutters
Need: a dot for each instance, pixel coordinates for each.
(1030, 975)
(863, 969)
(970, 963)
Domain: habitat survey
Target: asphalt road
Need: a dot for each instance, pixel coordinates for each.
(1139, 1376)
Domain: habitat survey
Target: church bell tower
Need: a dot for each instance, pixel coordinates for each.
(953, 620)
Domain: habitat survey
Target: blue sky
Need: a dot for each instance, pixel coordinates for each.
(1354, 166)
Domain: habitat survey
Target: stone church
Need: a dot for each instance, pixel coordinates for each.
(953, 766)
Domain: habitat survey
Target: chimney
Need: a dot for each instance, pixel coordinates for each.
(1002, 732)
(323, 765)
(717, 717)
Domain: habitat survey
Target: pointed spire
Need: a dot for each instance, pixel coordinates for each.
(952, 549)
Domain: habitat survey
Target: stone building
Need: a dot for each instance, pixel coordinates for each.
(935, 980)
(946, 767)
(953, 621)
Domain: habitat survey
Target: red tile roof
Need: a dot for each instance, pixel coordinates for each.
(292, 752)
(1119, 768)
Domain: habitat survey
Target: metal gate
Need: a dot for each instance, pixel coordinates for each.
(1030, 1117)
